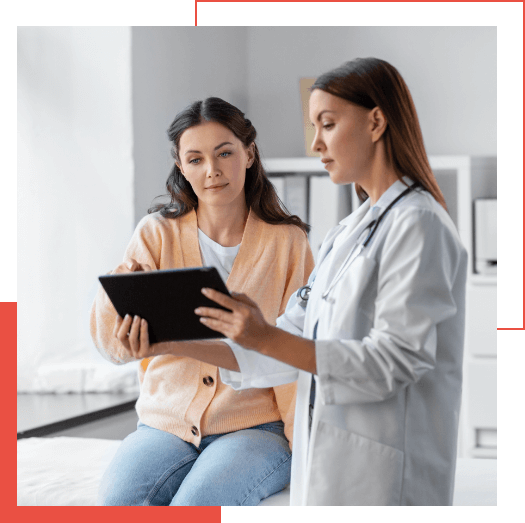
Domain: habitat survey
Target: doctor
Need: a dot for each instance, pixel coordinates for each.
(376, 338)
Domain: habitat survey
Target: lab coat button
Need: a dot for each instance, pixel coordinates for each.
(208, 381)
(195, 430)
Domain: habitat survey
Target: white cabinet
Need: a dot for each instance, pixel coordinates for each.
(461, 179)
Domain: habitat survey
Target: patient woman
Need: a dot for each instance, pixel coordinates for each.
(199, 442)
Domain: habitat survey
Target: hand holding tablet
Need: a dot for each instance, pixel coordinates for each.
(166, 299)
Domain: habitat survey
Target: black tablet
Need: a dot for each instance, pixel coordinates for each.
(166, 300)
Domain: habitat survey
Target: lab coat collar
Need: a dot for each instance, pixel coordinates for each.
(393, 192)
(384, 201)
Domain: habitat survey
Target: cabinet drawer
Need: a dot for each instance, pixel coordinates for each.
(481, 320)
(482, 401)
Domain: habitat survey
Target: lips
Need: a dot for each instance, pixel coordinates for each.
(326, 161)
(216, 187)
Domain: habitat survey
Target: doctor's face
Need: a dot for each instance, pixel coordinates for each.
(342, 137)
(214, 162)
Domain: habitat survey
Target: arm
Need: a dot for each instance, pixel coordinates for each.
(246, 326)
(258, 370)
(143, 252)
(420, 262)
(216, 353)
(132, 336)
(239, 368)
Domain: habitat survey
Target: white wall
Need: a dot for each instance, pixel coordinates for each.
(75, 184)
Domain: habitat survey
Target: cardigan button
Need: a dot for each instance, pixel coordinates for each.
(208, 381)
(195, 430)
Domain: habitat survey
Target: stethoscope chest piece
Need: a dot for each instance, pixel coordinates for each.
(303, 294)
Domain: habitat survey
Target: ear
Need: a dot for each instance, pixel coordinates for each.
(378, 123)
(180, 169)
(250, 150)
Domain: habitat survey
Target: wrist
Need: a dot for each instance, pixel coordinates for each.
(267, 340)
(168, 347)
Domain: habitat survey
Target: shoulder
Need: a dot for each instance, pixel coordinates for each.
(421, 215)
(155, 225)
(155, 220)
(283, 232)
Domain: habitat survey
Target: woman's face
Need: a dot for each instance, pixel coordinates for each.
(214, 161)
(343, 137)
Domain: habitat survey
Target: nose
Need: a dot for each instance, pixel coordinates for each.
(213, 170)
(317, 143)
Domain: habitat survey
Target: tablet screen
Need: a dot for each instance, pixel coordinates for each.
(166, 300)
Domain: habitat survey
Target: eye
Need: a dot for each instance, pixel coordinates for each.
(194, 161)
(225, 154)
(328, 126)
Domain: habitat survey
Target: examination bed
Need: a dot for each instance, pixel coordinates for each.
(67, 471)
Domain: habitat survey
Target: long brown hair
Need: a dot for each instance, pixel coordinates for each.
(369, 83)
(260, 194)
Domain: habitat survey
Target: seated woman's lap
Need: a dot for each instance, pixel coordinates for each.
(153, 467)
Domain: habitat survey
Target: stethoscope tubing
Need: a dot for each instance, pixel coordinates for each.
(304, 292)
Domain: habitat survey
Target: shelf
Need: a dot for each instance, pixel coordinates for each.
(484, 453)
(294, 165)
(307, 164)
(483, 279)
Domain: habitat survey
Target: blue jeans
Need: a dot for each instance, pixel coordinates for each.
(153, 467)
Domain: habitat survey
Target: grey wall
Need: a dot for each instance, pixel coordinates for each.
(451, 72)
(172, 67)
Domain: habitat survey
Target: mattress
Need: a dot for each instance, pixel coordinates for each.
(67, 471)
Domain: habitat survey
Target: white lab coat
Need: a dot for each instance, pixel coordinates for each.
(389, 349)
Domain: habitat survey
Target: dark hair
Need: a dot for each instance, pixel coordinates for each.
(260, 194)
(369, 83)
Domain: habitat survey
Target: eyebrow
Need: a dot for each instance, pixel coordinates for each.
(218, 147)
(321, 114)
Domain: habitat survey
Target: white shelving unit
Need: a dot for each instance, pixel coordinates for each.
(462, 179)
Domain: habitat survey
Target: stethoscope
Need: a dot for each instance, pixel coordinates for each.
(303, 294)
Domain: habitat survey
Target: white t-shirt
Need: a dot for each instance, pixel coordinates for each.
(215, 255)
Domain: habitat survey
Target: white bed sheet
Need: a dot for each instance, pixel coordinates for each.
(67, 471)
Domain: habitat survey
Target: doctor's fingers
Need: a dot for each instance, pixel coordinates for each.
(222, 299)
(217, 314)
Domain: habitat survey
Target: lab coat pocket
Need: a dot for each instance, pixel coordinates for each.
(348, 469)
(349, 311)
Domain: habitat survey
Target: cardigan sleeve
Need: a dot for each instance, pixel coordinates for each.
(145, 247)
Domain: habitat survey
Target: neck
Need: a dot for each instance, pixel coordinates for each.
(224, 224)
(381, 175)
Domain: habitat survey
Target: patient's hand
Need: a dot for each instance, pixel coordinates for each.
(131, 266)
(133, 334)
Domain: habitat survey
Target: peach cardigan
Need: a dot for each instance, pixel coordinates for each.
(184, 396)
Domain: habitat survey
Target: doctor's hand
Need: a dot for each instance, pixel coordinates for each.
(245, 325)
